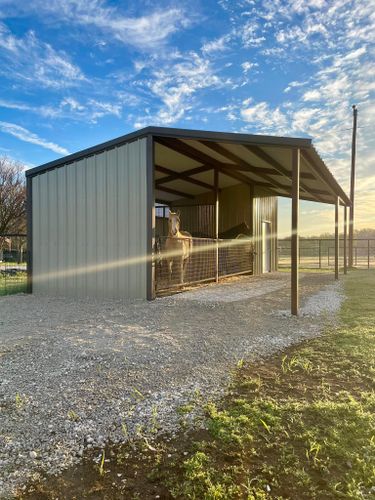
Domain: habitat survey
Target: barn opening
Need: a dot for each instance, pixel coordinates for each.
(98, 219)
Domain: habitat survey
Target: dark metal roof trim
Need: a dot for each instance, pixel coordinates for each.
(173, 133)
(230, 137)
(84, 153)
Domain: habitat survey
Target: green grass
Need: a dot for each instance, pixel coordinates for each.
(13, 284)
(299, 425)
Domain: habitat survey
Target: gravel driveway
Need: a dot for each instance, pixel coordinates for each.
(73, 372)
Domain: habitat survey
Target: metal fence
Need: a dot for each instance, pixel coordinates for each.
(319, 253)
(13, 269)
(208, 260)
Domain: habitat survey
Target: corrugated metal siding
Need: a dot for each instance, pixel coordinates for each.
(264, 209)
(235, 206)
(89, 219)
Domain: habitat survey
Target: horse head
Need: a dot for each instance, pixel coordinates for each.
(173, 223)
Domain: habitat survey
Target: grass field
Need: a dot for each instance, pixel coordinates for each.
(13, 284)
(299, 425)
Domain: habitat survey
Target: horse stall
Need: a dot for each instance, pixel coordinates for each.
(159, 209)
(198, 257)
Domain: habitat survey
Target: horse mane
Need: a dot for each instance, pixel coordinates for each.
(233, 232)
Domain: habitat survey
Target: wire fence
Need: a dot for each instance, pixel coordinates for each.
(208, 259)
(13, 267)
(319, 253)
(182, 262)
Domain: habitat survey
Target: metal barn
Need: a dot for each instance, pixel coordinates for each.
(97, 219)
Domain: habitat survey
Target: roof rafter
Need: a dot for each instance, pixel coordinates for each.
(257, 151)
(175, 192)
(218, 148)
(195, 154)
(308, 159)
(179, 175)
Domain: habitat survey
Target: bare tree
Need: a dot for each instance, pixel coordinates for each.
(12, 197)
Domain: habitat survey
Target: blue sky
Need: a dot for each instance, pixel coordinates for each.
(78, 72)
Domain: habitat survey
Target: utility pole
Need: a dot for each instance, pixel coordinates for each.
(352, 185)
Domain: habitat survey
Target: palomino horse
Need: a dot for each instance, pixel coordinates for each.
(178, 246)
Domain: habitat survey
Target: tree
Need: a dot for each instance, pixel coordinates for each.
(12, 197)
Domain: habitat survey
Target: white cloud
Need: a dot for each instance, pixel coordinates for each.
(14, 105)
(303, 118)
(247, 65)
(70, 108)
(294, 84)
(72, 104)
(251, 36)
(217, 45)
(100, 109)
(146, 32)
(27, 136)
(36, 62)
(176, 83)
(311, 95)
(263, 117)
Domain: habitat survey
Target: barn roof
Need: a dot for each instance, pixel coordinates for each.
(184, 161)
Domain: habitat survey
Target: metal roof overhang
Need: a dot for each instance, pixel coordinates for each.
(185, 161)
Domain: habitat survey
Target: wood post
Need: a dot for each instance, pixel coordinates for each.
(345, 239)
(337, 205)
(216, 186)
(295, 236)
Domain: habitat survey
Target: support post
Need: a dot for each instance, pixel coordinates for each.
(150, 265)
(29, 223)
(295, 236)
(352, 185)
(345, 239)
(337, 205)
(216, 187)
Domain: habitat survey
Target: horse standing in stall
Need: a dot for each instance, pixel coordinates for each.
(178, 247)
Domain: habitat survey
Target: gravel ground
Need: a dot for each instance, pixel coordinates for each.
(73, 372)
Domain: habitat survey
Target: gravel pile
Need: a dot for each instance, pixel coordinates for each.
(77, 374)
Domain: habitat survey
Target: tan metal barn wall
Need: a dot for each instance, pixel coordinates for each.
(264, 209)
(235, 206)
(89, 218)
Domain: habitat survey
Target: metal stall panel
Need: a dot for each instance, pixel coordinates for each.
(90, 225)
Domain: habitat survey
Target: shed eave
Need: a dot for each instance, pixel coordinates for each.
(305, 144)
(173, 133)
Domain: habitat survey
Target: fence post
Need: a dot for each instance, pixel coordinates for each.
(337, 241)
(345, 239)
(368, 254)
(320, 254)
(216, 186)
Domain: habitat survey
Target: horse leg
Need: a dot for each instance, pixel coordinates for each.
(170, 270)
